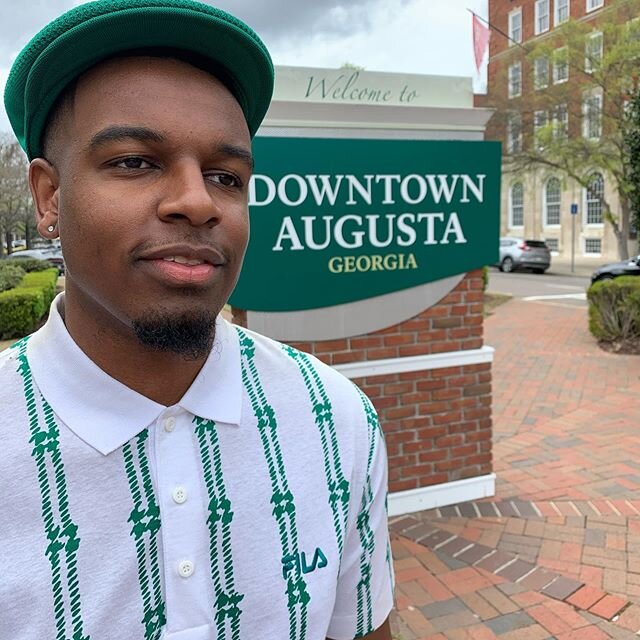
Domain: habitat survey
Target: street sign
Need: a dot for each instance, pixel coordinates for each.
(574, 208)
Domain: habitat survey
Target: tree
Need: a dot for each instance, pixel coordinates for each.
(577, 127)
(632, 157)
(15, 198)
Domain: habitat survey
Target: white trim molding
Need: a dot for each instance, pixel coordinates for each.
(428, 362)
(441, 495)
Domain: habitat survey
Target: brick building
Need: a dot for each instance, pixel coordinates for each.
(548, 83)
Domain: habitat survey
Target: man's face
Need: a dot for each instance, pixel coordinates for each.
(154, 166)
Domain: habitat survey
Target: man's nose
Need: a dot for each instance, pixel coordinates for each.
(189, 198)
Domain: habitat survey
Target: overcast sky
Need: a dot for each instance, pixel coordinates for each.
(410, 36)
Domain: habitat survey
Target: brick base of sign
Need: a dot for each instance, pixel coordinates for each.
(437, 421)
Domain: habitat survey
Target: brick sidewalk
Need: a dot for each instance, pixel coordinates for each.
(556, 554)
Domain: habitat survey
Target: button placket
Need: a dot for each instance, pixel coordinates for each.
(183, 513)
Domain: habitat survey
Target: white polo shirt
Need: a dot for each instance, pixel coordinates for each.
(253, 508)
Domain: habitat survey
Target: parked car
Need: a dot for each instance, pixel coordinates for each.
(629, 267)
(54, 256)
(518, 253)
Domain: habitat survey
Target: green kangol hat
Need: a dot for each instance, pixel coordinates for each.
(92, 32)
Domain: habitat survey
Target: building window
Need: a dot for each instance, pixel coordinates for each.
(553, 244)
(541, 16)
(561, 122)
(515, 26)
(563, 11)
(540, 120)
(592, 114)
(514, 133)
(594, 195)
(593, 51)
(594, 4)
(541, 73)
(592, 246)
(516, 205)
(561, 65)
(515, 80)
(552, 193)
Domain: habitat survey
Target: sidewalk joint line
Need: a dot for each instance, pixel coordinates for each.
(457, 553)
(593, 506)
(515, 508)
(505, 565)
(526, 575)
(441, 544)
(488, 555)
(631, 506)
(555, 508)
(575, 508)
(613, 507)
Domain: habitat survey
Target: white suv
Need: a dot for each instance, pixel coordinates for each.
(516, 253)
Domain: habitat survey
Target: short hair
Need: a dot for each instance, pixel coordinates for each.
(53, 125)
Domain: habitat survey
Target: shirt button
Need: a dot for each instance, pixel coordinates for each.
(179, 495)
(186, 568)
(169, 424)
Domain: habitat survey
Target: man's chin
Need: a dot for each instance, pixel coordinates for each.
(189, 334)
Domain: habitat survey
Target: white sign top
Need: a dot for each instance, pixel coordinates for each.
(353, 86)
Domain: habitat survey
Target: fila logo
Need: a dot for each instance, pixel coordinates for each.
(298, 561)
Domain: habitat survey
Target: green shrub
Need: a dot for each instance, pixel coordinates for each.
(22, 307)
(45, 280)
(485, 277)
(10, 276)
(614, 308)
(29, 264)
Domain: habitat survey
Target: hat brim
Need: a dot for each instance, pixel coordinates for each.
(35, 83)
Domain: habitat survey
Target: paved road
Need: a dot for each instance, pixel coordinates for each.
(548, 287)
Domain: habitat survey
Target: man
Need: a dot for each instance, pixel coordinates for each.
(165, 474)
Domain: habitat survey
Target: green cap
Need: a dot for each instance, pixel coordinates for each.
(92, 32)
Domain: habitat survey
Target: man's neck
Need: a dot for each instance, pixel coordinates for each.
(159, 375)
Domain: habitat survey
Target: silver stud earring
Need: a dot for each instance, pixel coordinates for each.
(51, 228)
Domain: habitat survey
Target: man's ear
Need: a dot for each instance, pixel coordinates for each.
(44, 185)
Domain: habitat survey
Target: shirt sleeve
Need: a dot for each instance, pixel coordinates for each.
(364, 594)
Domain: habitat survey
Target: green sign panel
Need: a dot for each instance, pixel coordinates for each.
(337, 220)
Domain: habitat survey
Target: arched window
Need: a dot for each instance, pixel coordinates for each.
(593, 196)
(552, 193)
(516, 205)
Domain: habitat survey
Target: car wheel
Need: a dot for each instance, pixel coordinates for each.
(606, 276)
(507, 265)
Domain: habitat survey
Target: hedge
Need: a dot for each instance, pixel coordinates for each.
(10, 276)
(28, 264)
(22, 307)
(614, 308)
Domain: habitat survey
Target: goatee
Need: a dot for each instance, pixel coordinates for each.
(190, 334)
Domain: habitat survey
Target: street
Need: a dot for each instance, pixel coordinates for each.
(549, 287)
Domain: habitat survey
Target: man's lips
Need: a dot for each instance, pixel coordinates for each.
(183, 273)
(183, 264)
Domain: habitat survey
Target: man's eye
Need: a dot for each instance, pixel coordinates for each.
(132, 163)
(224, 179)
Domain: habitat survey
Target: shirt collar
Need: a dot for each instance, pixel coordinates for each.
(104, 412)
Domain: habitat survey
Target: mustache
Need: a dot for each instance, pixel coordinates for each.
(192, 240)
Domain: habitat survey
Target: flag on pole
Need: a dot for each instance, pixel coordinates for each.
(481, 34)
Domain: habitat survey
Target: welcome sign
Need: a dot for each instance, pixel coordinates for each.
(340, 220)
